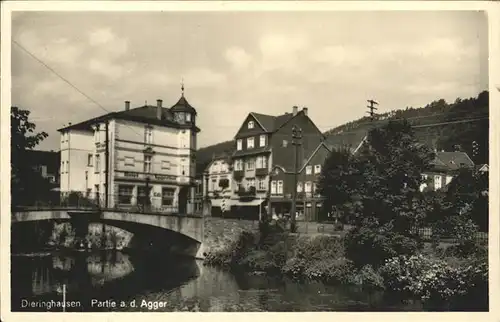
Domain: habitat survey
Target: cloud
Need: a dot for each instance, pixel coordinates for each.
(238, 57)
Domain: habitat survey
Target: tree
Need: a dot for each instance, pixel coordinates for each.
(25, 181)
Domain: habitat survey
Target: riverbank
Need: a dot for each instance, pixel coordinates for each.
(443, 279)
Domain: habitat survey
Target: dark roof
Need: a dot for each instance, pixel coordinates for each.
(451, 161)
(144, 114)
(272, 123)
(350, 140)
(183, 105)
(241, 153)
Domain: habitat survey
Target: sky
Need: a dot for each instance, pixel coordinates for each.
(233, 63)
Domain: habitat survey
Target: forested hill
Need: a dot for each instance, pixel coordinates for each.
(439, 124)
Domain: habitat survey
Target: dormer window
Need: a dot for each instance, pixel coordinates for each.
(250, 124)
(250, 143)
(188, 117)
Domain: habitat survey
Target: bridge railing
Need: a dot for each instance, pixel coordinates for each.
(88, 201)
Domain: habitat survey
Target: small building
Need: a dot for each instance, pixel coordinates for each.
(143, 156)
(46, 163)
(444, 168)
(218, 180)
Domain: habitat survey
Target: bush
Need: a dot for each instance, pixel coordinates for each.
(329, 270)
(435, 282)
(367, 246)
(368, 277)
(466, 249)
(234, 252)
(320, 247)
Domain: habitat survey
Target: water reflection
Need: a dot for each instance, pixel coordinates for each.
(162, 284)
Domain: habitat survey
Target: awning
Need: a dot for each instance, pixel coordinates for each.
(216, 202)
(251, 203)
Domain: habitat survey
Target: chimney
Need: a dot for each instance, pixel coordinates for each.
(295, 110)
(158, 109)
(305, 109)
(127, 105)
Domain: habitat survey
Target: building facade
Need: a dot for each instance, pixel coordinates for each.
(444, 168)
(140, 157)
(263, 143)
(218, 182)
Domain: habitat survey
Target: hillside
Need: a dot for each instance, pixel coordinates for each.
(439, 124)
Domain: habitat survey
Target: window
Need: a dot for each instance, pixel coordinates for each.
(262, 140)
(238, 165)
(89, 160)
(143, 195)
(97, 135)
(250, 183)
(188, 117)
(250, 125)
(262, 185)
(308, 186)
(223, 167)
(148, 135)
(167, 196)
(239, 144)
(165, 165)
(129, 161)
(250, 143)
(280, 187)
(261, 162)
(273, 187)
(285, 143)
(317, 168)
(299, 187)
(97, 163)
(315, 188)
(250, 165)
(309, 169)
(125, 194)
(437, 182)
(147, 163)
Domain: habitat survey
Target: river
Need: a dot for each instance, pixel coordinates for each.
(116, 281)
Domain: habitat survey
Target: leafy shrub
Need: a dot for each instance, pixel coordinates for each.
(329, 270)
(434, 281)
(367, 246)
(319, 247)
(466, 249)
(233, 253)
(294, 267)
(368, 277)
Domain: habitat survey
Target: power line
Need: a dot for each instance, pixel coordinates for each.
(65, 80)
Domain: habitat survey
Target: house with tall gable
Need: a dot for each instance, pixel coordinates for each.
(444, 168)
(263, 143)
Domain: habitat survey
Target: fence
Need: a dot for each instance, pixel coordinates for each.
(79, 200)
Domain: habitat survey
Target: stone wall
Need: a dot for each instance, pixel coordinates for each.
(220, 231)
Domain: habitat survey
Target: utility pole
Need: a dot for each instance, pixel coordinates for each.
(296, 141)
(371, 108)
(106, 187)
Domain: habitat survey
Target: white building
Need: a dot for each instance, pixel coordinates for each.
(444, 169)
(140, 156)
(218, 180)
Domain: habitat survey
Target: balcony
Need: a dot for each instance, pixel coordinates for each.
(261, 172)
(238, 175)
(246, 193)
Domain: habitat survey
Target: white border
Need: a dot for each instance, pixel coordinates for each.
(493, 10)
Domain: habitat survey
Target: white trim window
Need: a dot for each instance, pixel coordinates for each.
(239, 144)
(280, 187)
(261, 162)
(262, 140)
(262, 184)
(238, 165)
(97, 134)
(308, 187)
(309, 169)
(147, 164)
(437, 182)
(250, 165)
(285, 143)
(251, 124)
(90, 160)
(299, 187)
(317, 169)
(125, 194)
(250, 183)
(250, 143)
(97, 163)
(148, 135)
(273, 187)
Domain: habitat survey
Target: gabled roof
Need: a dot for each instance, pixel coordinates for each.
(452, 160)
(305, 161)
(271, 123)
(351, 141)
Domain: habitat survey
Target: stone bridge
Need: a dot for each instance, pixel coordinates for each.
(172, 233)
